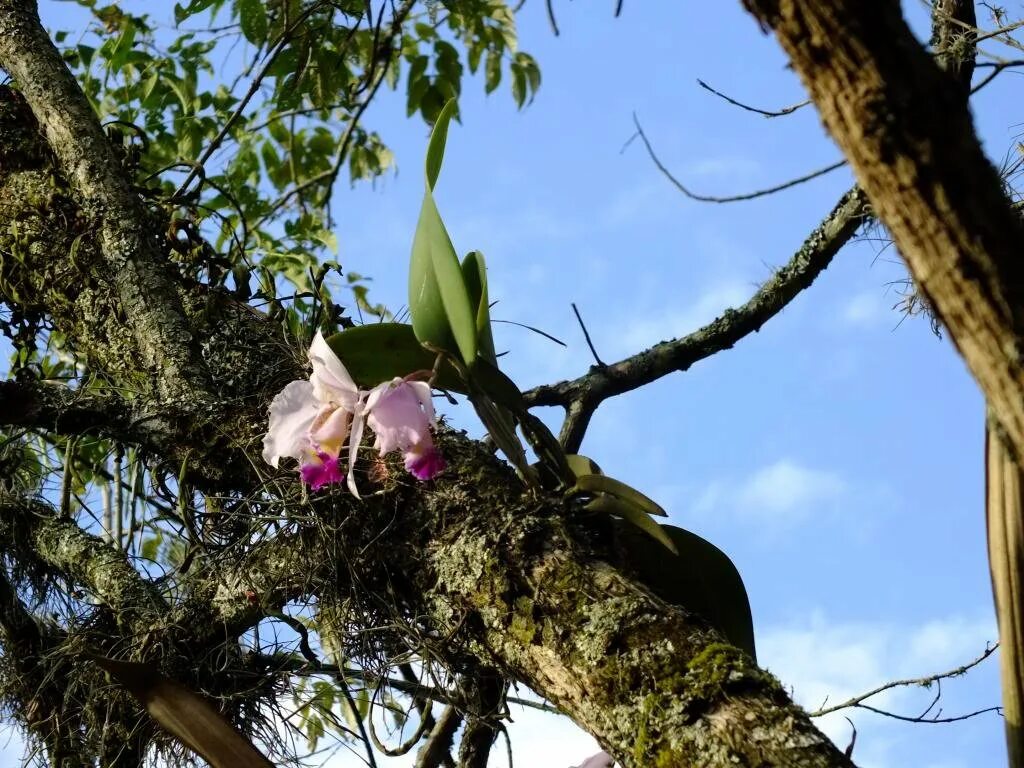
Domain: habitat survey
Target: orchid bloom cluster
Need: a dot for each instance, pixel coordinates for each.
(311, 420)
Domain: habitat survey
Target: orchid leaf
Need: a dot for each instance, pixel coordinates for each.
(474, 272)
(582, 465)
(618, 489)
(613, 505)
(438, 299)
(187, 716)
(502, 428)
(702, 579)
(381, 351)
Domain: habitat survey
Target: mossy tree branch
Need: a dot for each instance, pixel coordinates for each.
(131, 256)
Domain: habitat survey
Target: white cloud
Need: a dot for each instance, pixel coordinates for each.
(865, 309)
(786, 487)
(784, 492)
(734, 167)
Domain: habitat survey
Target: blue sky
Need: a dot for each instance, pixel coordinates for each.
(836, 455)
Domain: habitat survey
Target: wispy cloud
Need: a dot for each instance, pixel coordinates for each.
(782, 493)
(730, 167)
(866, 309)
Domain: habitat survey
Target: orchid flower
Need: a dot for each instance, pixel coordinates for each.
(310, 421)
(401, 415)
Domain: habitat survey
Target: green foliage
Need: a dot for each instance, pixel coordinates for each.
(438, 298)
(699, 577)
(282, 112)
(379, 352)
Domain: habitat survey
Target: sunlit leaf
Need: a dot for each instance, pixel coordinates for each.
(609, 485)
(438, 300)
(474, 272)
(612, 505)
(381, 351)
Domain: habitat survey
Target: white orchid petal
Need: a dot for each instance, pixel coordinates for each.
(330, 379)
(292, 412)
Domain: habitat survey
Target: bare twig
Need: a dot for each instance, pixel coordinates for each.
(766, 112)
(551, 18)
(922, 682)
(728, 198)
(586, 335)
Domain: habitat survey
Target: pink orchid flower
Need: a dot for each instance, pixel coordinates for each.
(600, 760)
(310, 421)
(401, 415)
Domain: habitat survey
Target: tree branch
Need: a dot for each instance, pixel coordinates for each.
(84, 559)
(663, 169)
(922, 682)
(144, 286)
(879, 94)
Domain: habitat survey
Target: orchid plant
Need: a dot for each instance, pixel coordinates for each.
(385, 384)
(310, 422)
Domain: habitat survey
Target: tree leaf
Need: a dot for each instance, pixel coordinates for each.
(186, 715)
(701, 579)
(582, 465)
(609, 485)
(438, 300)
(252, 16)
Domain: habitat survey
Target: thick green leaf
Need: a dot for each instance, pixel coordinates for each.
(438, 300)
(582, 465)
(438, 139)
(609, 485)
(186, 715)
(474, 272)
(702, 579)
(381, 351)
(501, 426)
(252, 16)
(613, 505)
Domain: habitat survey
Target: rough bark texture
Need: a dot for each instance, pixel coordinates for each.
(130, 253)
(910, 141)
